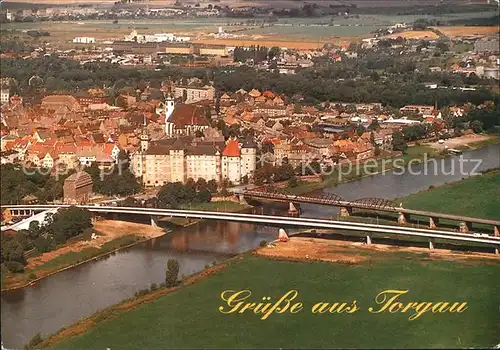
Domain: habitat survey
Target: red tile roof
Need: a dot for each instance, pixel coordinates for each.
(184, 115)
(232, 149)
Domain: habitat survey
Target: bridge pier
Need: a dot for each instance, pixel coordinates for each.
(368, 240)
(496, 251)
(345, 212)
(402, 218)
(431, 245)
(496, 232)
(433, 222)
(154, 222)
(465, 227)
(242, 200)
(292, 210)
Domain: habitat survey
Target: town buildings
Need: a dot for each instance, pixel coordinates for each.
(193, 94)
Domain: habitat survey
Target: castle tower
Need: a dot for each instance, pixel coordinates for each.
(248, 157)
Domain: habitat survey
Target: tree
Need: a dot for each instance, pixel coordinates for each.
(267, 147)
(360, 129)
(36, 340)
(398, 141)
(70, 222)
(297, 108)
(130, 202)
(274, 52)
(201, 184)
(204, 195)
(374, 125)
(12, 250)
(172, 273)
(212, 186)
(476, 126)
(293, 182)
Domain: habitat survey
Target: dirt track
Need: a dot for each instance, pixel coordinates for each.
(110, 229)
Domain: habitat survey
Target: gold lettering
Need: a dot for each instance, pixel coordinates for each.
(420, 310)
(296, 308)
(395, 307)
(247, 306)
(409, 306)
(288, 297)
(353, 308)
(233, 299)
(461, 308)
(382, 298)
(440, 307)
(261, 307)
(321, 308)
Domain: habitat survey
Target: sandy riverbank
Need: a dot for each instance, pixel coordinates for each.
(301, 248)
(460, 142)
(110, 230)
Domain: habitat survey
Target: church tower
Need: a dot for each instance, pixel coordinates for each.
(169, 110)
(144, 142)
(169, 107)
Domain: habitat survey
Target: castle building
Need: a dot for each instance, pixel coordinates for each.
(178, 159)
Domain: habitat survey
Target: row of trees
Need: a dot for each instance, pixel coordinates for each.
(56, 230)
(118, 181)
(256, 53)
(176, 194)
(382, 76)
(17, 182)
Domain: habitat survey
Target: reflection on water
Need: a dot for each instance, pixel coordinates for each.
(71, 295)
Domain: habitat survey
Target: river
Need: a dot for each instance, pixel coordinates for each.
(64, 298)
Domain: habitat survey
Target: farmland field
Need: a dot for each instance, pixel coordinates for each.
(454, 31)
(309, 31)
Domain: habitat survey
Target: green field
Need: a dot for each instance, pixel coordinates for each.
(477, 196)
(189, 317)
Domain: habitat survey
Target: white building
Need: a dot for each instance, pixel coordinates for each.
(4, 96)
(84, 40)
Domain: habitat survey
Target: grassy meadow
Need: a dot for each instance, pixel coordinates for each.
(477, 196)
(189, 317)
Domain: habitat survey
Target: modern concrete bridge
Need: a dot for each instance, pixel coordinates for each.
(367, 229)
(376, 204)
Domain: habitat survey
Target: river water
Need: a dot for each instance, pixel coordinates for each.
(64, 298)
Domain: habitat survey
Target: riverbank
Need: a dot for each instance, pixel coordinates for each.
(153, 320)
(466, 142)
(112, 236)
(415, 154)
